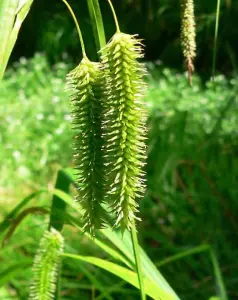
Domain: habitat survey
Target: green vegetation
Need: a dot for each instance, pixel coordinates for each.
(53, 247)
(192, 175)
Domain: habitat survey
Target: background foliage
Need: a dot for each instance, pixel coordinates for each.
(49, 28)
(192, 172)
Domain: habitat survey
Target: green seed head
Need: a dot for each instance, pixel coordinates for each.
(46, 266)
(124, 126)
(85, 85)
(188, 35)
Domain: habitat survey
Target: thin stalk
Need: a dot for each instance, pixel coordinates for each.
(114, 15)
(77, 26)
(218, 275)
(215, 39)
(97, 23)
(136, 248)
(183, 254)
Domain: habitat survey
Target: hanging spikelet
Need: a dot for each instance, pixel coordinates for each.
(85, 84)
(124, 126)
(188, 35)
(46, 266)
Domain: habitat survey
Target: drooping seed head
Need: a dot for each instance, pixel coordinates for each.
(46, 266)
(124, 126)
(85, 86)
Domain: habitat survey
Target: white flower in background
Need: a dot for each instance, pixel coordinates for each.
(59, 131)
(55, 99)
(23, 60)
(16, 154)
(39, 116)
(23, 172)
(67, 117)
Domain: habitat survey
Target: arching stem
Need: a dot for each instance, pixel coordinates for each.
(77, 26)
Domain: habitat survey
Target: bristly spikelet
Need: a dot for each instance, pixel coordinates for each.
(46, 266)
(85, 85)
(188, 35)
(124, 126)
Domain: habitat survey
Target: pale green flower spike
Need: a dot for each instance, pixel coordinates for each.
(188, 35)
(85, 86)
(46, 266)
(124, 126)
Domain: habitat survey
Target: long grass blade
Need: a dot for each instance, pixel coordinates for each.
(218, 276)
(97, 23)
(12, 15)
(8, 219)
(58, 205)
(136, 249)
(131, 277)
(215, 40)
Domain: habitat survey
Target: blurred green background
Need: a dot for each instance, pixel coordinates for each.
(192, 195)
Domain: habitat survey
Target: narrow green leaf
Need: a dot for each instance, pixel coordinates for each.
(113, 253)
(97, 23)
(12, 15)
(9, 218)
(131, 277)
(214, 57)
(183, 254)
(218, 275)
(19, 219)
(136, 249)
(56, 219)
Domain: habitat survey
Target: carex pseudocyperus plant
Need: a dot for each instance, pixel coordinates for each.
(124, 125)
(85, 84)
(109, 118)
(188, 35)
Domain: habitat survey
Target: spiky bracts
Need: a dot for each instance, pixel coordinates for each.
(188, 35)
(85, 84)
(124, 126)
(46, 266)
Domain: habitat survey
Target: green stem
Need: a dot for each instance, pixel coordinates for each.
(215, 40)
(114, 15)
(136, 249)
(77, 26)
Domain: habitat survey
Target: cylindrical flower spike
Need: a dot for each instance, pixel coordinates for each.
(85, 84)
(124, 126)
(46, 266)
(188, 35)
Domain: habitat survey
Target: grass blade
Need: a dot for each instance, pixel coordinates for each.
(97, 23)
(20, 218)
(131, 277)
(218, 275)
(8, 219)
(215, 40)
(58, 205)
(12, 15)
(136, 249)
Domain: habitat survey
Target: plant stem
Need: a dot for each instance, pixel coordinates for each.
(77, 26)
(136, 249)
(114, 15)
(215, 40)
